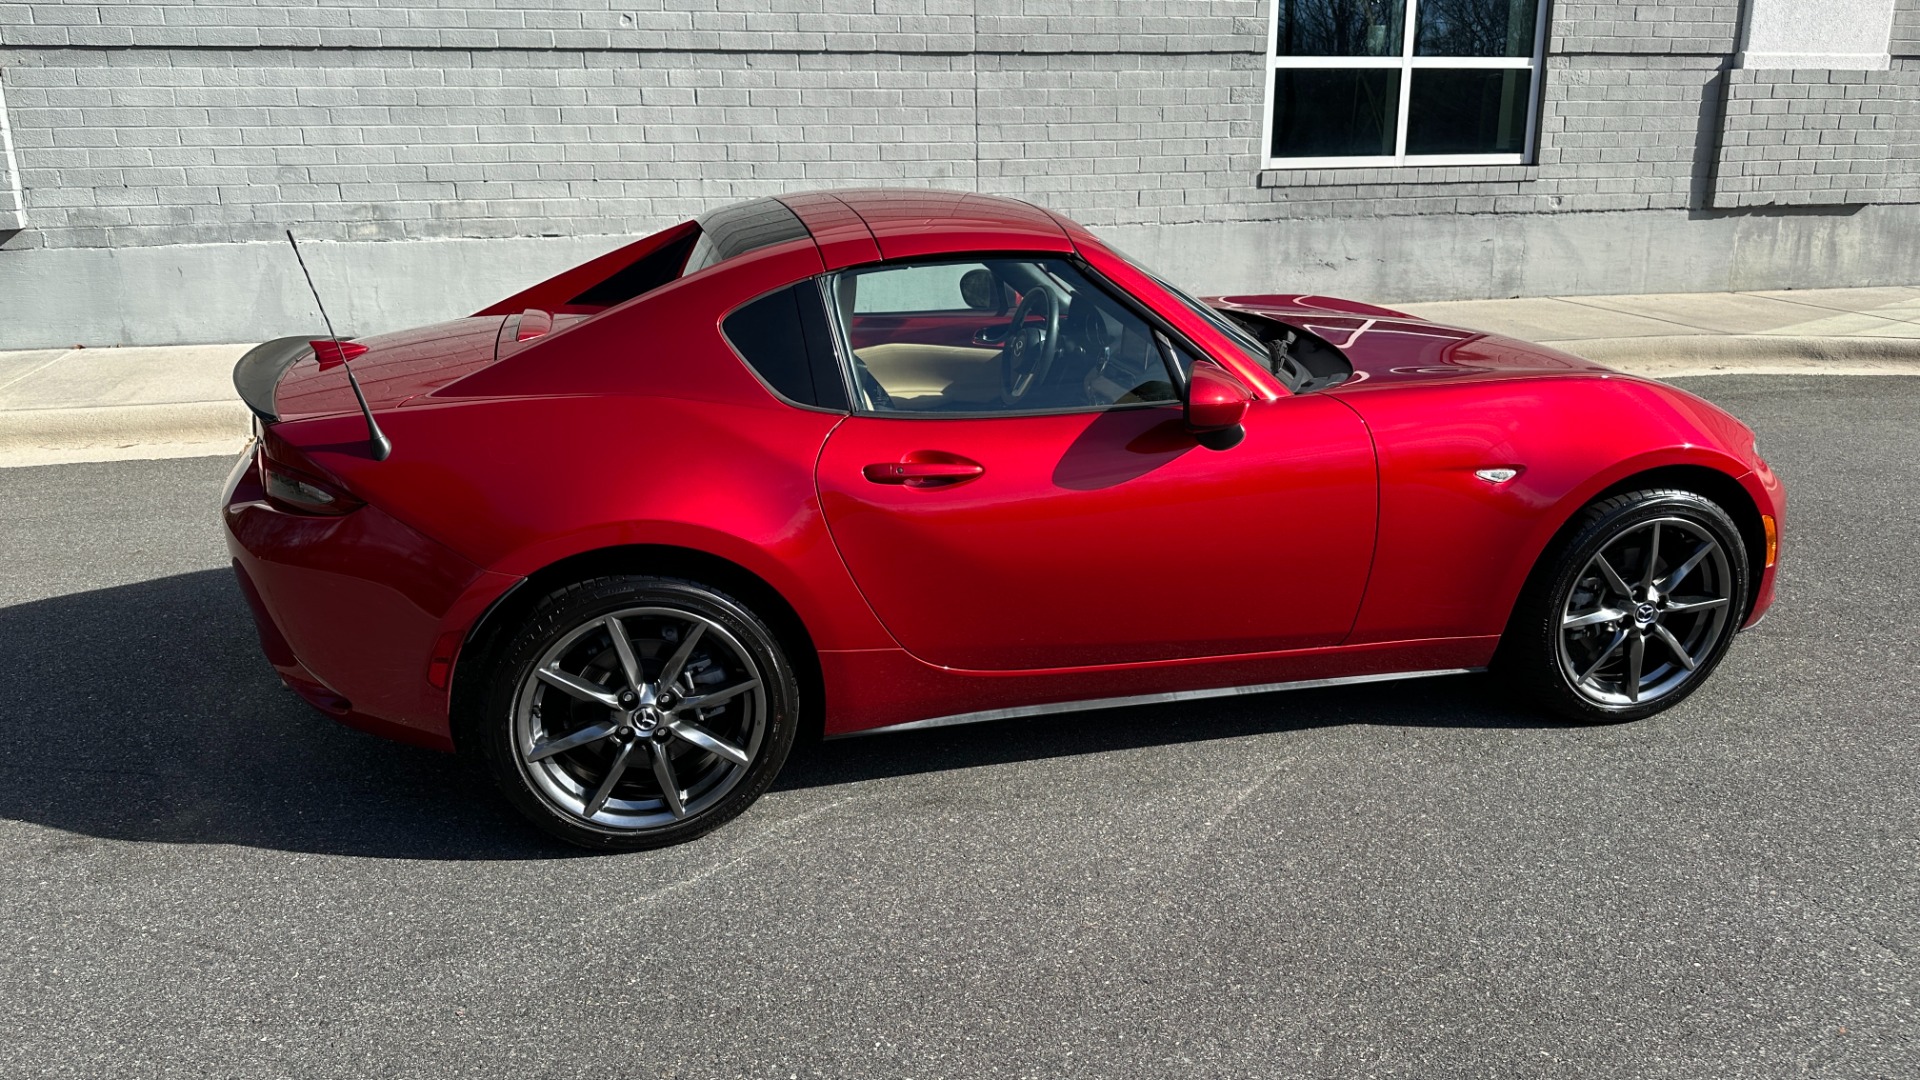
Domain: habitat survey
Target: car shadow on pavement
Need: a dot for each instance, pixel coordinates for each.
(1464, 701)
(146, 713)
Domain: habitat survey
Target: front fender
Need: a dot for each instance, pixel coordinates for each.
(1454, 550)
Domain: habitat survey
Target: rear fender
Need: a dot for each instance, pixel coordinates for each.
(814, 584)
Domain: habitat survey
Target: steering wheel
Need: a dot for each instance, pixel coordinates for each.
(1028, 354)
(877, 396)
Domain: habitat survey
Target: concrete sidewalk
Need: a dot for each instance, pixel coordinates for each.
(1873, 331)
(59, 406)
(66, 405)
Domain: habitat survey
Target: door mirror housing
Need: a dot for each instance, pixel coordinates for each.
(981, 290)
(1216, 403)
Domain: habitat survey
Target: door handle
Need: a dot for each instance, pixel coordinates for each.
(924, 468)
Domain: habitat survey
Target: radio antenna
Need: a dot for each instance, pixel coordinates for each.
(342, 354)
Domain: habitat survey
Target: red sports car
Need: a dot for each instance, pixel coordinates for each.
(874, 460)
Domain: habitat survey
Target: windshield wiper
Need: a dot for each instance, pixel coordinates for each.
(1280, 357)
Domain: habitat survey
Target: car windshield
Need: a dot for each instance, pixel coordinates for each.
(1252, 347)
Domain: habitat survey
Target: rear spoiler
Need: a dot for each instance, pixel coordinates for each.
(617, 276)
(257, 374)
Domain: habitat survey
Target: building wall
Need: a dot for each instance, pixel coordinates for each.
(1801, 137)
(440, 155)
(1906, 29)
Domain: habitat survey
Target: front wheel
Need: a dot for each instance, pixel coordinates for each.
(1636, 610)
(636, 712)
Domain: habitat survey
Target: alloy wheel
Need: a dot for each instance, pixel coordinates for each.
(1646, 612)
(639, 719)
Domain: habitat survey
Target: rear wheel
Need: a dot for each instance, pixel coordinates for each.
(637, 712)
(1636, 610)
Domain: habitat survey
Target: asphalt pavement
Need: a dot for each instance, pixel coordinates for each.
(202, 877)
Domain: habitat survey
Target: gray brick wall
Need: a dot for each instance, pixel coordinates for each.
(1631, 27)
(1818, 137)
(144, 124)
(190, 146)
(1115, 138)
(1906, 29)
(776, 25)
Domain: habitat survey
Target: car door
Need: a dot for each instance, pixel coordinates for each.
(1086, 525)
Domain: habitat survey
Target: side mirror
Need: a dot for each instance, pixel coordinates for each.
(1216, 403)
(978, 288)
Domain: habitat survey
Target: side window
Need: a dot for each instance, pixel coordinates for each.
(931, 288)
(994, 336)
(784, 337)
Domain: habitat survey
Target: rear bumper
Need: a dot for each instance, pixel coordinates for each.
(355, 612)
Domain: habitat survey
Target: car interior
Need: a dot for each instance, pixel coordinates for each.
(993, 336)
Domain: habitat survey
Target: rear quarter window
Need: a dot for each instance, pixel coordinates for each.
(783, 337)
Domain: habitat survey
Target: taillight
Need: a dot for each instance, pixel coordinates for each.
(302, 493)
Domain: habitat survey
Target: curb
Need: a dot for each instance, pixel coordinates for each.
(104, 433)
(1690, 355)
(1744, 349)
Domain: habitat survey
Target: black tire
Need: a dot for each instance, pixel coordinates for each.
(721, 645)
(1545, 650)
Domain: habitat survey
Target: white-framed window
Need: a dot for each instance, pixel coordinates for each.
(1402, 82)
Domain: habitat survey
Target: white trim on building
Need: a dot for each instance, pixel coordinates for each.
(13, 199)
(1405, 63)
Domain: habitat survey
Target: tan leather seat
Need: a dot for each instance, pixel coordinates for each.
(951, 373)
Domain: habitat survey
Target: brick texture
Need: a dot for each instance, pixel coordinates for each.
(1818, 137)
(847, 26)
(147, 124)
(1632, 27)
(200, 146)
(204, 122)
(1906, 29)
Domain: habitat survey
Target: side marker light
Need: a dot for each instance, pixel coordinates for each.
(440, 665)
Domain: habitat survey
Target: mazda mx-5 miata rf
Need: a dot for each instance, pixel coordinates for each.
(876, 460)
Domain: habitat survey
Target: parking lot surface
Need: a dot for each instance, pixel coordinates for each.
(202, 877)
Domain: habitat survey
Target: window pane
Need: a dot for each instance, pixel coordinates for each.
(1335, 113)
(1474, 111)
(740, 228)
(784, 336)
(1340, 27)
(1475, 28)
(931, 287)
(974, 361)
